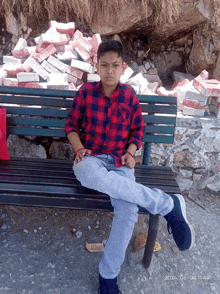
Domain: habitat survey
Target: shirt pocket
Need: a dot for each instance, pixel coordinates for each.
(124, 113)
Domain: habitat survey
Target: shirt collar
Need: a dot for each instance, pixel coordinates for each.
(98, 86)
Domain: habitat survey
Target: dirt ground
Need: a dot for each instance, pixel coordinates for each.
(43, 250)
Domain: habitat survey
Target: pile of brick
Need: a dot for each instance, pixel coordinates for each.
(197, 96)
(61, 59)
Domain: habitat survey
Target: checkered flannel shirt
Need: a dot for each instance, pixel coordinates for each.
(106, 125)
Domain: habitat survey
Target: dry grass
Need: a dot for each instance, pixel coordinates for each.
(165, 11)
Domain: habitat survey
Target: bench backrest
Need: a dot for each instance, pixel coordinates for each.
(43, 112)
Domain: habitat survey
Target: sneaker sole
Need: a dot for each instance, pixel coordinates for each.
(183, 208)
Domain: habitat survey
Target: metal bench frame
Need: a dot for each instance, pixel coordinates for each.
(51, 182)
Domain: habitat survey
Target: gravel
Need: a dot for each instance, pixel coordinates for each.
(44, 251)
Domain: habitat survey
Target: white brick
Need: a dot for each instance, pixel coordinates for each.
(50, 68)
(27, 77)
(20, 44)
(193, 111)
(84, 66)
(38, 69)
(93, 78)
(3, 74)
(82, 52)
(57, 78)
(128, 72)
(11, 60)
(71, 79)
(11, 82)
(68, 55)
(57, 63)
(26, 64)
(64, 86)
(194, 94)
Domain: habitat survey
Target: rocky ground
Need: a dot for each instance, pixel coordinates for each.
(44, 251)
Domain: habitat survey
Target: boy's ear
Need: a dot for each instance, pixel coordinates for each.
(124, 66)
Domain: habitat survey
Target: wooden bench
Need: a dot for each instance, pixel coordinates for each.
(51, 182)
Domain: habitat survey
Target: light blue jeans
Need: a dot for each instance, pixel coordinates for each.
(100, 173)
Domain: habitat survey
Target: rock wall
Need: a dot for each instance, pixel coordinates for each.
(194, 156)
(148, 29)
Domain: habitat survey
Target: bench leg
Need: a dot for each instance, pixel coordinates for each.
(151, 239)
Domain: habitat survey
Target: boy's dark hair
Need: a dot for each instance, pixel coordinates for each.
(111, 46)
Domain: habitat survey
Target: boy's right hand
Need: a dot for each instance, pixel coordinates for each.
(81, 153)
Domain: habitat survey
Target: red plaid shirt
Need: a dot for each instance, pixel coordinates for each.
(106, 125)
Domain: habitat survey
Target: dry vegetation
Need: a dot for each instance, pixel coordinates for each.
(165, 11)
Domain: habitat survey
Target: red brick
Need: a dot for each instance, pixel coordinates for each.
(13, 69)
(29, 84)
(96, 40)
(53, 37)
(20, 44)
(83, 53)
(26, 64)
(49, 50)
(24, 51)
(64, 28)
(203, 75)
(207, 87)
(180, 84)
(11, 82)
(72, 86)
(193, 103)
(74, 72)
(64, 48)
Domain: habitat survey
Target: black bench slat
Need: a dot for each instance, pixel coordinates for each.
(58, 181)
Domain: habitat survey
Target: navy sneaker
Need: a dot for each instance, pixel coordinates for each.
(108, 286)
(177, 224)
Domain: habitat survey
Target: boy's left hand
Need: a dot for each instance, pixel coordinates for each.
(128, 160)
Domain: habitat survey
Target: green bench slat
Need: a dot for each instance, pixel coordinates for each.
(159, 129)
(36, 111)
(157, 99)
(156, 119)
(16, 121)
(43, 101)
(36, 132)
(158, 139)
(153, 108)
(37, 92)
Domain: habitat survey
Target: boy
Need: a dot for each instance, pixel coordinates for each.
(105, 128)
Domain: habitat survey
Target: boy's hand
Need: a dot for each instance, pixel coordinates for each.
(128, 160)
(81, 153)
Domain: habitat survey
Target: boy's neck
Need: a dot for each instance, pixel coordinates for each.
(108, 91)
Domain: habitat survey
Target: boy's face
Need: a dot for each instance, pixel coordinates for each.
(110, 68)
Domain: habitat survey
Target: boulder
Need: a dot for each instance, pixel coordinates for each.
(22, 148)
(204, 53)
